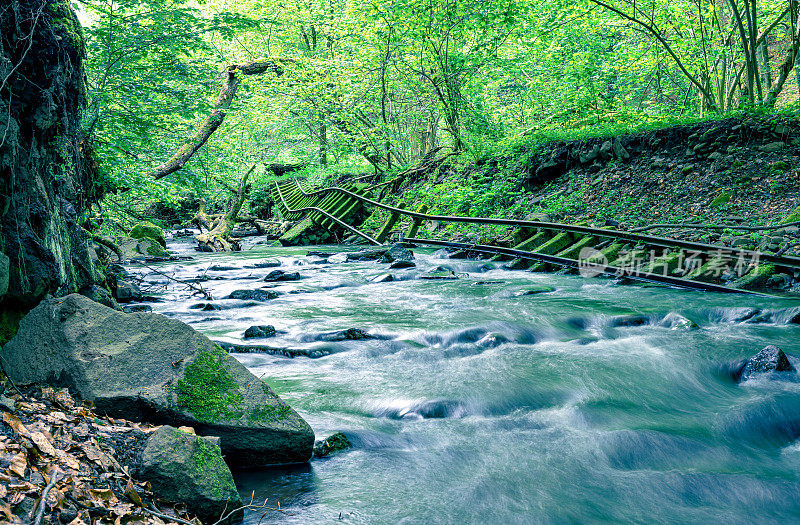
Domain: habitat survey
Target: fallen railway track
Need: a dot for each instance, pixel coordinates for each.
(545, 245)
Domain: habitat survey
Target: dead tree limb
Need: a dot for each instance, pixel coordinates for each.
(230, 84)
(219, 238)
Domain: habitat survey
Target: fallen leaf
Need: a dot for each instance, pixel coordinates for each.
(42, 443)
(130, 492)
(18, 464)
(6, 509)
(15, 423)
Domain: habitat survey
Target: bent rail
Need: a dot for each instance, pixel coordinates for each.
(561, 249)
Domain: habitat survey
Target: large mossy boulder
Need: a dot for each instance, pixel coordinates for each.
(189, 469)
(148, 230)
(147, 367)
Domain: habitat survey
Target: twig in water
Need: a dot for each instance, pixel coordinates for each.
(197, 288)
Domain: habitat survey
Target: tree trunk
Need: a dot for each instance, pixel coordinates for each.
(219, 238)
(47, 168)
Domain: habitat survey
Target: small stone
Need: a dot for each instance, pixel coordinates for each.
(221, 268)
(772, 147)
(259, 331)
(335, 443)
(280, 276)
(205, 307)
(137, 308)
(253, 295)
(351, 334)
(629, 320)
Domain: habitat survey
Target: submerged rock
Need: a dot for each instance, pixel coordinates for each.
(399, 265)
(280, 276)
(259, 331)
(629, 320)
(253, 295)
(332, 444)
(189, 469)
(137, 308)
(264, 264)
(770, 359)
(148, 367)
(351, 334)
(534, 290)
(383, 278)
(676, 321)
(205, 307)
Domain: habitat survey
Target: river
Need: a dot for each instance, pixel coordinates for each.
(475, 403)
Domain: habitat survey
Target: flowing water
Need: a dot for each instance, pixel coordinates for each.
(475, 404)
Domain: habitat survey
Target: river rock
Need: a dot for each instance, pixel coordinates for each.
(351, 334)
(534, 290)
(383, 278)
(264, 264)
(148, 367)
(280, 276)
(399, 265)
(331, 445)
(137, 308)
(367, 255)
(675, 321)
(189, 469)
(205, 307)
(253, 295)
(126, 291)
(259, 331)
(770, 359)
(629, 320)
(397, 252)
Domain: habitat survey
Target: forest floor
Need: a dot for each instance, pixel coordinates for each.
(733, 172)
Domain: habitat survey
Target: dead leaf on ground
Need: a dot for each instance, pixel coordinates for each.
(16, 424)
(18, 464)
(43, 444)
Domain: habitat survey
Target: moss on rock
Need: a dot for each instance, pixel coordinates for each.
(148, 230)
(208, 391)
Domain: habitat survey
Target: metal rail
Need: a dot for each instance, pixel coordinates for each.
(708, 250)
(781, 260)
(572, 263)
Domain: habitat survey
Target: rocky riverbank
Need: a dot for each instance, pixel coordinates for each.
(196, 411)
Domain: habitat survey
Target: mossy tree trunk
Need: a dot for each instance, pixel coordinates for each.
(47, 170)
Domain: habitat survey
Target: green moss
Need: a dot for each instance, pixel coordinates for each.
(148, 230)
(794, 216)
(208, 391)
(722, 198)
(267, 413)
(64, 22)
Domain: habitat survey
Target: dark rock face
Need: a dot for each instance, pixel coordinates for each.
(147, 367)
(770, 359)
(331, 445)
(48, 175)
(189, 469)
(253, 295)
(259, 332)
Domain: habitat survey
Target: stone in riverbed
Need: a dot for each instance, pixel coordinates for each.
(259, 331)
(100, 295)
(137, 308)
(331, 445)
(397, 252)
(383, 278)
(399, 265)
(264, 264)
(189, 469)
(625, 321)
(351, 334)
(280, 276)
(770, 359)
(534, 290)
(148, 230)
(205, 307)
(253, 295)
(148, 367)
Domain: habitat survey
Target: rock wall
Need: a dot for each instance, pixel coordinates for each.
(46, 168)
